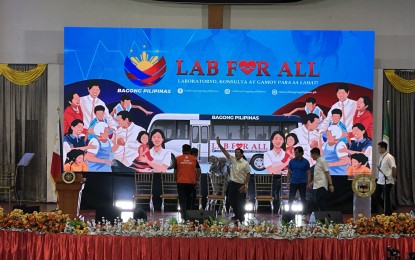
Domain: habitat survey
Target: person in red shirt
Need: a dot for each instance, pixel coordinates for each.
(363, 114)
(73, 111)
(186, 172)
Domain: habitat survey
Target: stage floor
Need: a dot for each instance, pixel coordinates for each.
(90, 214)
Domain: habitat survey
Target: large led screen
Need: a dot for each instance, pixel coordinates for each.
(134, 96)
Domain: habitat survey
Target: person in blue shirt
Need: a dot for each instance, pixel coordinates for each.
(125, 105)
(298, 176)
(310, 107)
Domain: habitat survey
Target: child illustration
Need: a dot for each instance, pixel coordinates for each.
(332, 149)
(75, 161)
(358, 165)
(290, 140)
(310, 107)
(99, 112)
(143, 151)
(336, 115)
(125, 105)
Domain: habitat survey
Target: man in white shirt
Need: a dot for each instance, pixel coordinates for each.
(238, 181)
(126, 137)
(347, 106)
(321, 180)
(307, 135)
(89, 102)
(386, 179)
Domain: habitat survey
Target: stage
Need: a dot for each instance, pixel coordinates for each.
(29, 245)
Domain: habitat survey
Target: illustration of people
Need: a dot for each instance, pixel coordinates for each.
(291, 140)
(126, 139)
(346, 106)
(100, 158)
(72, 111)
(99, 112)
(275, 161)
(161, 158)
(325, 48)
(74, 138)
(143, 151)
(336, 115)
(125, 105)
(363, 114)
(337, 160)
(75, 161)
(307, 135)
(358, 165)
(321, 46)
(310, 107)
(361, 143)
(90, 101)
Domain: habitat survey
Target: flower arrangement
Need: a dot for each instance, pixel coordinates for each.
(43, 222)
(56, 222)
(396, 224)
(77, 227)
(218, 228)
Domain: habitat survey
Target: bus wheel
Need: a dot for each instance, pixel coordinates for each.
(257, 162)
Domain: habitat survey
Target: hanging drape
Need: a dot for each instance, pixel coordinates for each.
(23, 117)
(399, 89)
(401, 84)
(22, 78)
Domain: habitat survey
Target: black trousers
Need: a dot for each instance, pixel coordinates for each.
(301, 187)
(237, 199)
(276, 190)
(321, 197)
(187, 196)
(384, 203)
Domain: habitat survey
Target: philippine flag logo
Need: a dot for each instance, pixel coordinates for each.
(143, 71)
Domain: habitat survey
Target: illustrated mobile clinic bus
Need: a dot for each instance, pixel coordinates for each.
(250, 132)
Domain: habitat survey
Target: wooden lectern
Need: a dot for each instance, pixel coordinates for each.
(69, 194)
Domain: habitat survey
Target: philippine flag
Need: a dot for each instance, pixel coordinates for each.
(57, 167)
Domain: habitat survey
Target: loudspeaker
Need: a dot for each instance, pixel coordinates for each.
(140, 214)
(200, 215)
(335, 216)
(108, 213)
(288, 216)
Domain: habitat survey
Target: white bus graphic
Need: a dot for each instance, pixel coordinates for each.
(250, 132)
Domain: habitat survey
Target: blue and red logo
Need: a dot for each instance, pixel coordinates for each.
(143, 71)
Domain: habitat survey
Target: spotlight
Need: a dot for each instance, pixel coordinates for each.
(287, 207)
(124, 204)
(249, 206)
(297, 207)
(126, 215)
